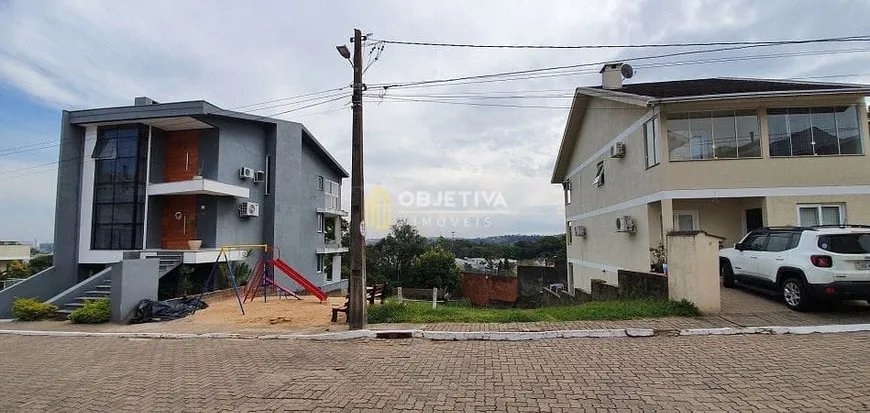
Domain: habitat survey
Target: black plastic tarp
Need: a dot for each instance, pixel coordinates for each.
(150, 311)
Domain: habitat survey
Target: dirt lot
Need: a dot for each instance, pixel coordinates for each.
(275, 316)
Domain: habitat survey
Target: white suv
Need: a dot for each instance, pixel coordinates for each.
(805, 265)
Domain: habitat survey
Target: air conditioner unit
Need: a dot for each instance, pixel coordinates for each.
(249, 209)
(259, 176)
(246, 173)
(625, 224)
(617, 150)
(580, 231)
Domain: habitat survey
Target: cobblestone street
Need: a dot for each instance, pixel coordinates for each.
(802, 373)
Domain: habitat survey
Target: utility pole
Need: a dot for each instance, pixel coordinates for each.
(357, 306)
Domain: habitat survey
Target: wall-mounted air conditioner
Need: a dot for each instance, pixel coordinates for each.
(617, 150)
(246, 173)
(625, 224)
(259, 176)
(249, 209)
(580, 231)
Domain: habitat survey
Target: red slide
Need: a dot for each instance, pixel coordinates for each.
(295, 276)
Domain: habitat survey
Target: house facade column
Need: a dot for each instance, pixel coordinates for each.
(337, 230)
(667, 219)
(336, 267)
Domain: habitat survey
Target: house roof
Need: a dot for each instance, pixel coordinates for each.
(196, 109)
(727, 86)
(655, 93)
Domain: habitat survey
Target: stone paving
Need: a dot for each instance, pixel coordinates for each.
(758, 372)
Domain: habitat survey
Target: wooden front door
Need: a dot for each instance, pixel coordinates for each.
(182, 155)
(178, 224)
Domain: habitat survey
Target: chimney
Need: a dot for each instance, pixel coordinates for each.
(611, 76)
(144, 101)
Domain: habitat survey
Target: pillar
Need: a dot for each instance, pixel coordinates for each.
(336, 267)
(693, 269)
(667, 219)
(337, 231)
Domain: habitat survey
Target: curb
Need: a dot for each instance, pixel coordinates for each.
(464, 335)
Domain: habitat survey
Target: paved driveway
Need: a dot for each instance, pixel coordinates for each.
(661, 373)
(747, 308)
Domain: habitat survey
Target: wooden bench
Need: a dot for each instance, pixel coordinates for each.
(376, 291)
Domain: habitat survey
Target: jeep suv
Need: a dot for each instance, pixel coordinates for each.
(805, 265)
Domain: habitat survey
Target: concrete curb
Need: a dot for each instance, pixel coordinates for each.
(461, 335)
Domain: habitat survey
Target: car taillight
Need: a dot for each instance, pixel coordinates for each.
(822, 261)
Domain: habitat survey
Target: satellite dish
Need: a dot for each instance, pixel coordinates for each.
(627, 71)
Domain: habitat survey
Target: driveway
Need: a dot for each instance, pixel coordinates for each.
(747, 308)
(758, 372)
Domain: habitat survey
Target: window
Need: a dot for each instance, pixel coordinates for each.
(846, 243)
(814, 131)
(320, 224)
(119, 187)
(781, 241)
(755, 242)
(569, 235)
(686, 220)
(651, 141)
(599, 175)
(566, 186)
(320, 265)
(333, 194)
(723, 134)
(319, 183)
(813, 215)
(268, 171)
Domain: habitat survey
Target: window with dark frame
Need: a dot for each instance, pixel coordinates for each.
(320, 222)
(814, 131)
(266, 190)
(320, 263)
(567, 187)
(652, 142)
(320, 183)
(120, 154)
(599, 175)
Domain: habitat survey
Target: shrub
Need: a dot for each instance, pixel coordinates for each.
(93, 312)
(18, 269)
(40, 263)
(29, 309)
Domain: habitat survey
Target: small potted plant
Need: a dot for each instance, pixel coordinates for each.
(195, 243)
(199, 172)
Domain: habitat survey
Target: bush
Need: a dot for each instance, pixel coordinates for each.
(18, 269)
(30, 309)
(93, 312)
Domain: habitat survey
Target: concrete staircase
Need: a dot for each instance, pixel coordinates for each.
(101, 290)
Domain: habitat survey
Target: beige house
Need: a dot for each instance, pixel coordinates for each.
(12, 251)
(722, 155)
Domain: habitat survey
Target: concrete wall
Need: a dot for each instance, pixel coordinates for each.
(284, 206)
(132, 282)
(782, 210)
(638, 284)
(42, 286)
(693, 269)
(68, 206)
(482, 289)
(720, 217)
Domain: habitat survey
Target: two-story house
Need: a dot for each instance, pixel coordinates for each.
(180, 180)
(722, 155)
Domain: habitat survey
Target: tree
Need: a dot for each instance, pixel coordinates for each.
(40, 263)
(390, 260)
(436, 268)
(17, 269)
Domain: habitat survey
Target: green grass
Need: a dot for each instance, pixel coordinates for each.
(418, 312)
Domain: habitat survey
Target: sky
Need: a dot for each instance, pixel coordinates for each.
(488, 166)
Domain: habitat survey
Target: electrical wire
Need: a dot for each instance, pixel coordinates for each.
(629, 46)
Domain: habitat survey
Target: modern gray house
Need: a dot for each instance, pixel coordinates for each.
(154, 180)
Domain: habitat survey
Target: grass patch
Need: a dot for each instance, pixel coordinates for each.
(416, 312)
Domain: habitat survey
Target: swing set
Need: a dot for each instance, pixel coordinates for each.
(263, 274)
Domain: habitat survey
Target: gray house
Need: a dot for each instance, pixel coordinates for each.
(154, 180)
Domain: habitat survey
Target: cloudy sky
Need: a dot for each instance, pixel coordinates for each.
(81, 54)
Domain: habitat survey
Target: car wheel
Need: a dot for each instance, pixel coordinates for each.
(795, 295)
(727, 274)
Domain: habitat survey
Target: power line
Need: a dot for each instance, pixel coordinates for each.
(629, 46)
(398, 99)
(630, 59)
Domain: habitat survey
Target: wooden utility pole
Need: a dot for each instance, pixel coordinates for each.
(357, 306)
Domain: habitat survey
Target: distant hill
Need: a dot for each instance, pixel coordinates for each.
(499, 239)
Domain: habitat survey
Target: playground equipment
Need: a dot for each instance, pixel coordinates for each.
(262, 275)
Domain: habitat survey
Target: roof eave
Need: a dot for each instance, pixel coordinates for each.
(782, 93)
(629, 98)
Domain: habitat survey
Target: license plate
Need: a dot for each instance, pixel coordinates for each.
(863, 265)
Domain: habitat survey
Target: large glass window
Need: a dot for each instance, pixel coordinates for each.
(119, 187)
(814, 131)
(725, 134)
